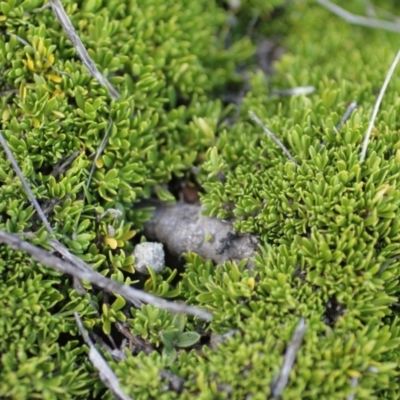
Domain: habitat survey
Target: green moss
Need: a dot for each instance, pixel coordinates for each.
(168, 62)
(34, 362)
(330, 225)
(328, 228)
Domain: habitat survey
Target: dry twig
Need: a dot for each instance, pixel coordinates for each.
(28, 190)
(294, 91)
(283, 378)
(99, 280)
(272, 136)
(387, 14)
(69, 30)
(99, 340)
(359, 19)
(97, 155)
(370, 9)
(62, 166)
(354, 383)
(176, 383)
(377, 105)
(106, 374)
(117, 354)
(55, 244)
(99, 151)
(134, 340)
(49, 205)
(8, 92)
(349, 110)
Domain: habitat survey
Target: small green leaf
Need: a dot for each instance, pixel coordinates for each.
(118, 303)
(164, 194)
(179, 322)
(107, 326)
(187, 339)
(79, 97)
(169, 337)
(169, 354)
(111, 175)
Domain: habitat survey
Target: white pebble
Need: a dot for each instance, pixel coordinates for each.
(149, 254)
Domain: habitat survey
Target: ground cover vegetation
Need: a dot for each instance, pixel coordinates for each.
(186, 76)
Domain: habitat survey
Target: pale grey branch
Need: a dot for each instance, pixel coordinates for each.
(349, 110)
(272, 136)
(300, 90)
(354, 384)
(28, 190)
(106, 374)
(99, 280)
(102, 146)
(359, 19)
(69, 30)
(377, 105)
(283, 378)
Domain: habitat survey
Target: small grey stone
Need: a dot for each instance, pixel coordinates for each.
(149, 254)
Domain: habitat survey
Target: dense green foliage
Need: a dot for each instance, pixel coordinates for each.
(328, 228)
(168, 62)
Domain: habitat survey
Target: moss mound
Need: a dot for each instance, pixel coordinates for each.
(328, 228)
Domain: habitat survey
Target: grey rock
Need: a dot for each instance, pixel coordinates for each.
(149, 254)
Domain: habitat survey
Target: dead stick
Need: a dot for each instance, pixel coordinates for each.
(18, 171)
(69, 30)
(272, 136)
(99, 280)
(349, 110)
(288, 361)
(359, 19)
(106, 374)
(377, 105)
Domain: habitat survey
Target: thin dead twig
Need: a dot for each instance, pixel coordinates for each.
(252, 24)
(49, 205)
(370, 9)
(349, 110)
(99, 340)
(294, 91)
(377, 105)
(28, 190)
(272, 136)
(8, 92)
(55, 244)
(62, 166)
(176, 383)
(354, 383)
(283, 378)
(117, 354)
(359, 19)
(43, 8)
(136, 341)
(387, 14)
(99, 280)
(93, 167)
(77, 262)
(106, 374)
(69, 30)
(99, 151)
